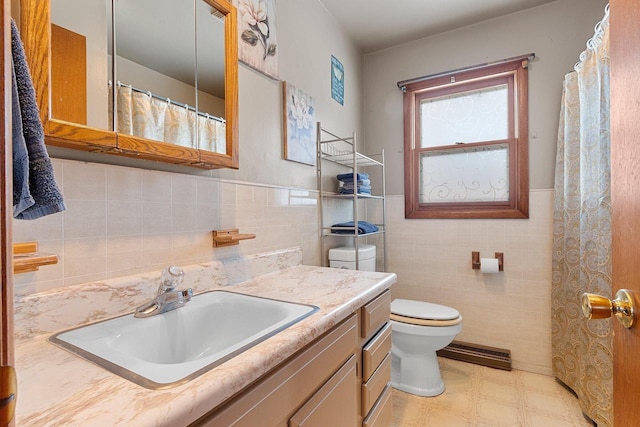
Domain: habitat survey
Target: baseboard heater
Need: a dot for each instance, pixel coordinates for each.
(493, 357)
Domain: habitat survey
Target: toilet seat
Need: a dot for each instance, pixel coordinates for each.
(424, 313)
(425, 322)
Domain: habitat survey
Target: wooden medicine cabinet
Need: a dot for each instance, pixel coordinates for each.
(137, 78)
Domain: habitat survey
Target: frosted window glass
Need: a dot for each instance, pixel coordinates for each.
(479, 174)
(473, 116)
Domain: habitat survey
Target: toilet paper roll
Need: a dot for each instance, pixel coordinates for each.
(489, 265)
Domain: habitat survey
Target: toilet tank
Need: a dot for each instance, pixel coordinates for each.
(345, 257)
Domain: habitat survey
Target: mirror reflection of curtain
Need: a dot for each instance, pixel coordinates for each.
(179, 126)
(212, 135)
(141, 114)
(582, 355)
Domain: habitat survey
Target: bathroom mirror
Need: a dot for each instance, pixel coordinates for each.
(162, 86)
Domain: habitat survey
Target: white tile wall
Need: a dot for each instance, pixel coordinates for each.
(122, 221)
(432, 259)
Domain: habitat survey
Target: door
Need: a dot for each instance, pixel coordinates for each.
(625, 194)
(7, 373)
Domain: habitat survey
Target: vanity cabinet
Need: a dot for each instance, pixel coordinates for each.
(334, 404)
(275, 399)
(381, 415)
(375, 342)
(341, 379)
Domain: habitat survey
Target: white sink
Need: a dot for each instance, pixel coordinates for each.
(174, 347)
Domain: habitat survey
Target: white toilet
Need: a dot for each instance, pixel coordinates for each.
(419, 329)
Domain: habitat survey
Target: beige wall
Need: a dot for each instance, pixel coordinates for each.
(121, 221)
(307, 37)
(433, 257)
(126, 220)
(555, 32)
(116, 224)
(511, 309)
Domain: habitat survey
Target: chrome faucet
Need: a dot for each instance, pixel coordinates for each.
(167, 298)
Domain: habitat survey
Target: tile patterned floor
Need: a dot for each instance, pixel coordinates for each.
(477, 396)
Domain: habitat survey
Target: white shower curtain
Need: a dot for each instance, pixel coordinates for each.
(582, 350)
(140, 114)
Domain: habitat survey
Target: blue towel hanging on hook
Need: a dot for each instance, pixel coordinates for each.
(36, 193)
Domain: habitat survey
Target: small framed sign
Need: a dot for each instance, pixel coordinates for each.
(337, 80)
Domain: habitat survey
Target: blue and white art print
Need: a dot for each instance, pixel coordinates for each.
(299, 125)
(337, 80)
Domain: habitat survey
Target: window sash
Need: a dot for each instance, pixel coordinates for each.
(507, 80)
(509, 144)
(514, 74)
(465, 90)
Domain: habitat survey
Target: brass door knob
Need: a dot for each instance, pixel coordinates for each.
(599, 307)
(8, 394)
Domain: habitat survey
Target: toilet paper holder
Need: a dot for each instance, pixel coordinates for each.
(475, 260)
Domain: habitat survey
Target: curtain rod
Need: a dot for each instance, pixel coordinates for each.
(402, 84)
(170, 101)
(596, 39)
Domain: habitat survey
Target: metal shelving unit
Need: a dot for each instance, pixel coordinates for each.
(342, 151)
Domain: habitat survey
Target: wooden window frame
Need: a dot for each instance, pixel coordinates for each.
(515, 74)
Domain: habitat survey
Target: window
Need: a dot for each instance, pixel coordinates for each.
(466, 143)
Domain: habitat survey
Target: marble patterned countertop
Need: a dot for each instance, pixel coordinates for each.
(59, 388)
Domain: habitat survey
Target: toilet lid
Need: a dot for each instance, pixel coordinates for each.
(423, 310)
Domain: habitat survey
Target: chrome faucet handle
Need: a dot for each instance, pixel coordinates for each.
(185, 295)
(168, 298)
(170, 278)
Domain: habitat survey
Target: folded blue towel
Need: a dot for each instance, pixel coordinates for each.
(352, 186)
(359, 182)
(344, 191)
(364, 227)
(349, 190)
(349, 176)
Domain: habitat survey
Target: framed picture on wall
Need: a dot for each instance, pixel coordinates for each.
(337, 80)
(257, 41)
(299, 125)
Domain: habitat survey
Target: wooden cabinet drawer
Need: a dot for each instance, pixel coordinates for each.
(274, 399)
(375, 351)
(382, 412)
(375, 314)
(335, 404)
(372, 389)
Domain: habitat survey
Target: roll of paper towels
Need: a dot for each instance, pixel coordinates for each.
(489, 265)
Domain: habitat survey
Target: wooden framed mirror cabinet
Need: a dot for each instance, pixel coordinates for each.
(90, 79)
